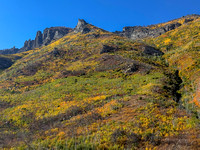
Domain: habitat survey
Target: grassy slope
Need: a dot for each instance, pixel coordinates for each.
(68, 95)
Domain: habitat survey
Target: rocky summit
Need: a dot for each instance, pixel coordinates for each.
(81, 27)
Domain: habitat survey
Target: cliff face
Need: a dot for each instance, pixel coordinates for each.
(41, 39)
(48, 35)
(139, 32)
(81, 27)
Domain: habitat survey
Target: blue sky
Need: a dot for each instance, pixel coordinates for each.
(21, 19)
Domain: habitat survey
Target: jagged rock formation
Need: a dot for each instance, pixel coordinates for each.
(135, 32)
(82, 27)
(139, 32)
(46, 37)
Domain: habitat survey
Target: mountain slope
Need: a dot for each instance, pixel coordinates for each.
(181, 48)
(93, 89)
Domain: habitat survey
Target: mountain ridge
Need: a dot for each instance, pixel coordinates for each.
(132, 32)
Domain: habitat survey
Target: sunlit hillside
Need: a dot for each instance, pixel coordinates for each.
(181, 48)
(93, 89)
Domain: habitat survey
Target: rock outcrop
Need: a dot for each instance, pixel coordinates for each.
(82, 27)
(41, 39)
(139, 32)
(135, 32)
(48, 35)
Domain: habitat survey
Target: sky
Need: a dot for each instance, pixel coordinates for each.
(21, 19)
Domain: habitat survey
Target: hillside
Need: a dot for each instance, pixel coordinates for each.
(93, 89)
(181, 48)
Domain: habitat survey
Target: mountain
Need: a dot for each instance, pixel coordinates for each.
(135, 32)
(93, 89)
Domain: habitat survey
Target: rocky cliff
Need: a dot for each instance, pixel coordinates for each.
(81, 27)
(41, 39)
(140, 32)
(48, 35)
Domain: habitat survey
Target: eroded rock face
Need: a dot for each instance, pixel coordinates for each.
(54, 33)
(139, 32)
(38, 39)
(28, 45)
(82, 27)
(48, 35)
